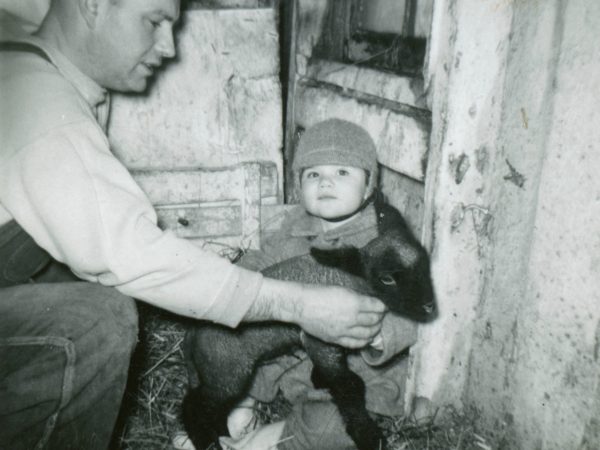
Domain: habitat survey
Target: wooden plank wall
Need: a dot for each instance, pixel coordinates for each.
(219, 205)
(391, 107)
(217, 104)
(205, 143)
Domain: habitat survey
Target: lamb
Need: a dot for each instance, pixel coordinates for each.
(393, 267)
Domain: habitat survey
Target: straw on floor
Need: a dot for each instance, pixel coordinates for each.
(151, 410)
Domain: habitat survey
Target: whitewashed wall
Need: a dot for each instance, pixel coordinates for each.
(512, 207)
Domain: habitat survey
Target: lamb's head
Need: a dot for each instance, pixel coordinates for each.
(396, 267)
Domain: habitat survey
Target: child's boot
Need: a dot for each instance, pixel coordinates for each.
(242, 419)
(263, 438)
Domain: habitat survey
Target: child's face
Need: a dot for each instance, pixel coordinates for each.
(331, 191)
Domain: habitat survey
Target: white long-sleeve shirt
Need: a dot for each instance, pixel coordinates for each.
(61, 183)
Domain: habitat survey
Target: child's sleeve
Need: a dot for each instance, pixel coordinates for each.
(271, 251)
(397, 335)
(256, 260)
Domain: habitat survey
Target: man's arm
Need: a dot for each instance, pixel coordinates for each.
(333, 314)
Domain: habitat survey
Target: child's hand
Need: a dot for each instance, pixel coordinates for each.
(377, 342)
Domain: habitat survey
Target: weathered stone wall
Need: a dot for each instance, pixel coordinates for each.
(512, 208)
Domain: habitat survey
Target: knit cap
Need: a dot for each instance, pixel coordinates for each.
(337, 142)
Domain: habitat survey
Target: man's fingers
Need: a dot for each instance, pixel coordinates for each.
(339, 315)
(373, 305)
(365, 332)
(369, 319)
(359, 336)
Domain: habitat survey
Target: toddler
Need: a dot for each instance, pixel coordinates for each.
(336, 167)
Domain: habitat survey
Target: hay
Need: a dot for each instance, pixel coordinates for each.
(152, 402)
(158, 380)
(453, 430)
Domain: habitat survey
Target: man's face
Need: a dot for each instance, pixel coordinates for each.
(332, 191)
(131, 38)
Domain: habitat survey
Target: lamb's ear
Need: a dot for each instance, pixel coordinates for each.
(347, 259)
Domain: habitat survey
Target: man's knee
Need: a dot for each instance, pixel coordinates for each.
(114, 318)
(95, 317)
(123, 311)
(96, 325)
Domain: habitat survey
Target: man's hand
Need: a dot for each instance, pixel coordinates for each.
(339, 315)
(334, 314)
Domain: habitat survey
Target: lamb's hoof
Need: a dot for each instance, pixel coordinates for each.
(369, 438)
(370, 444)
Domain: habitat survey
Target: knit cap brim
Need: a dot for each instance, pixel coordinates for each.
(337, 142)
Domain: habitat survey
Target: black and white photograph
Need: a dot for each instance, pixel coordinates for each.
(299, 225)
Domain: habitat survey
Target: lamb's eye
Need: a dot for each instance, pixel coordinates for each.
(388, 280)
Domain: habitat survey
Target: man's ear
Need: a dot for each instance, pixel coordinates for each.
(89, 10)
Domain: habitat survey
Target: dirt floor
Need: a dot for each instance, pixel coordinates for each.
(151, 409)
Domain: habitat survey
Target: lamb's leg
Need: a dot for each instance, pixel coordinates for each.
(223, 381)
(201, 418)
(206, 408)
(222, 362)
(347, 389)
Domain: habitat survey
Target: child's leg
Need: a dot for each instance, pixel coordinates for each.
(243, 419)
(264, 388)
(315, 424)
(267, 437)
(310, 426)
(242, 424)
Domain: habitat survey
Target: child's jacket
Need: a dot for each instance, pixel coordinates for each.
(384, 372)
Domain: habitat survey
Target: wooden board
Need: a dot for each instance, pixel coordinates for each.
(401, 140)
(201, 202)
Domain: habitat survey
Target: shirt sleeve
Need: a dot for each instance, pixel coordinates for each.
(70, 193)
(276, 246)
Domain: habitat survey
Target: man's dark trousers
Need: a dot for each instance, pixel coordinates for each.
(65, 347)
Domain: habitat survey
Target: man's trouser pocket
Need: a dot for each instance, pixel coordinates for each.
(36, 382)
